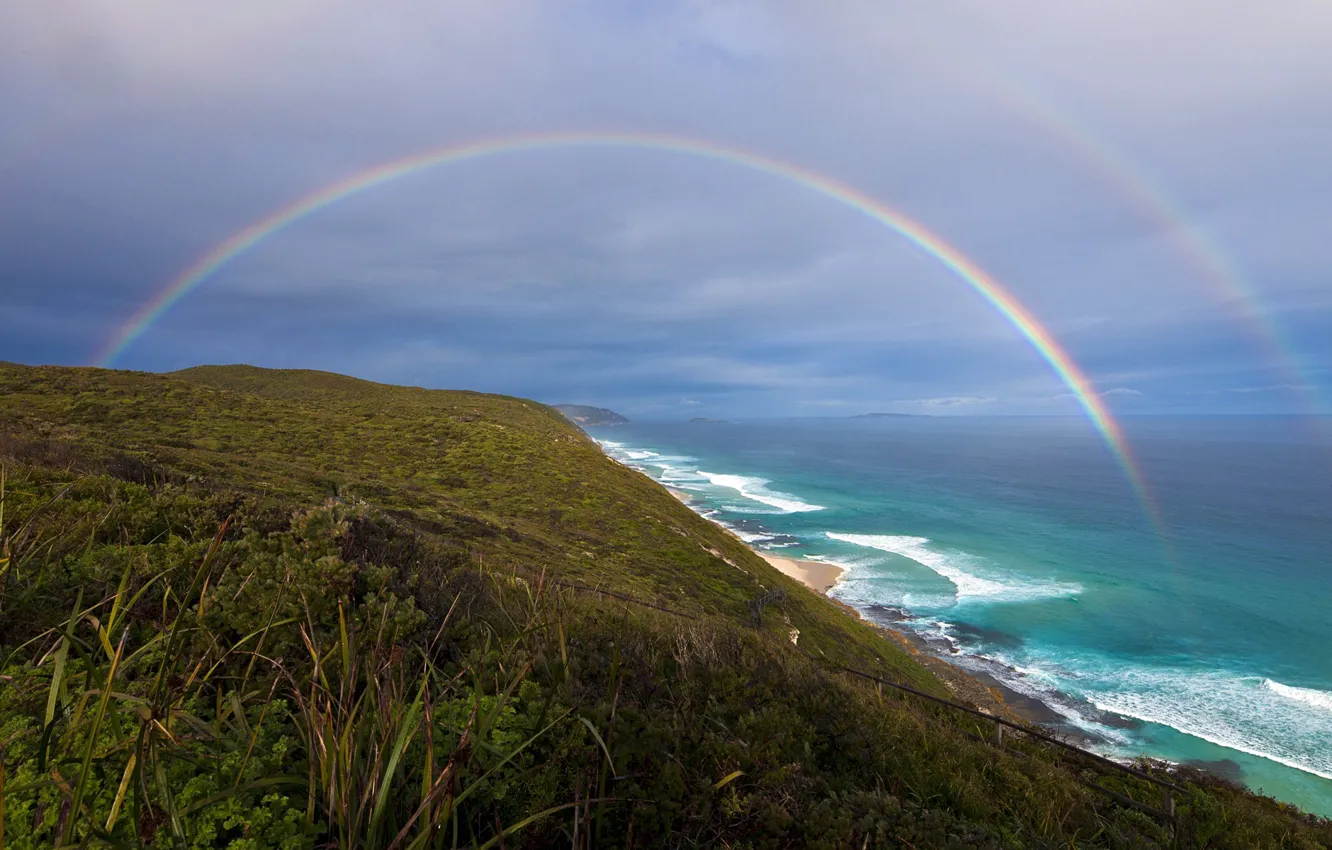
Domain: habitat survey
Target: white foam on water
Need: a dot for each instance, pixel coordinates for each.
(968, 584)
(1031, 679)
(936, 629)
(667, 461)
(753, 489)
(864, 584)
(746, 536)
(836, 562)
(1308, 696)
(1242, 713)
(1252, 714)
(645, 459)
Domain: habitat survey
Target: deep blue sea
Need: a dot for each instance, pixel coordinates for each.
(1017, 547)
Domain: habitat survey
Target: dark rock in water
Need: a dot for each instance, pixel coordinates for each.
(1048, 709)
(1117, 721)
(887, 613)
(1226, 769)
(984, 634)
(1029, 707)
(749, 526)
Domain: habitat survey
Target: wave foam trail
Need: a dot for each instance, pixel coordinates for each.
(1246, 713)
(1308, 696)
(748, 536)
(752, 488)
(967, 584)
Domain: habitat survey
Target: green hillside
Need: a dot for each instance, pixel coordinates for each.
(249, 608)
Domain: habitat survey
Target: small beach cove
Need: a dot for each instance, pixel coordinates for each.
(985, 692)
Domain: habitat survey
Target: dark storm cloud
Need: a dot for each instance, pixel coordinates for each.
(138, 136)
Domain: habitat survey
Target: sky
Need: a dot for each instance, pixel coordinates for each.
(1150, 180)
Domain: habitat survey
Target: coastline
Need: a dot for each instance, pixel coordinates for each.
(964, 660)
(985, 692)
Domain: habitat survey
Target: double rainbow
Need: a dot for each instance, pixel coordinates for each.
(954, 260)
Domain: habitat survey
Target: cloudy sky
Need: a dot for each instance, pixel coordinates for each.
(1151, 180)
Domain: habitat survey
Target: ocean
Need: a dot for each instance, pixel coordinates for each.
(1016, 548)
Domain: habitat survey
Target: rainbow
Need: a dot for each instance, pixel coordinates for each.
(1149, 201)
(951, 258)
(1207, 258)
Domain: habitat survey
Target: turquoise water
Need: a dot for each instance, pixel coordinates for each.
(1018, 549)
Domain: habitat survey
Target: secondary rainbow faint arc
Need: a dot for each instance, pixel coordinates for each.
(1151, 202)
(953, 259)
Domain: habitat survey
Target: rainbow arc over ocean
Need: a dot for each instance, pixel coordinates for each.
(984, 285)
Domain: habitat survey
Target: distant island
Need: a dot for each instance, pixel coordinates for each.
(703, 419)
(594, 417)
(884, 416)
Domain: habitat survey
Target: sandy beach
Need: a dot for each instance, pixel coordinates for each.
(980, 690)
(817, 575)
(984, 692)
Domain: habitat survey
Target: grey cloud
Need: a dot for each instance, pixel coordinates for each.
(1271, 388)
(152, 131)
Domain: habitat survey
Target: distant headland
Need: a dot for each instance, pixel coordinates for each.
(594, 417)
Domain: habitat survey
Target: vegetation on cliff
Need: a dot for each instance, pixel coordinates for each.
(591, 417)
(246, 608)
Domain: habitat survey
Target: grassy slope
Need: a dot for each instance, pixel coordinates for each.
(511, 479)
(458, 484)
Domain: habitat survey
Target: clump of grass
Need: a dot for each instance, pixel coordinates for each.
(160, 734)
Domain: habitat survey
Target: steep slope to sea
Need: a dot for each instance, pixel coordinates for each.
(230, 594)
(1014, 548)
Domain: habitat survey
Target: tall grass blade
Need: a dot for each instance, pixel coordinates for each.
(175, 635)
(120, 794)
(85, 771)
(2, 798)
(728, 779)
(605, 749)
(531, 819)
(56, 696)
(405, 736)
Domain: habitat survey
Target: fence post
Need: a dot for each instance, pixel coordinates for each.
(998, 734)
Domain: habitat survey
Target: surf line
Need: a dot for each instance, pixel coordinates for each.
(980, 281)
